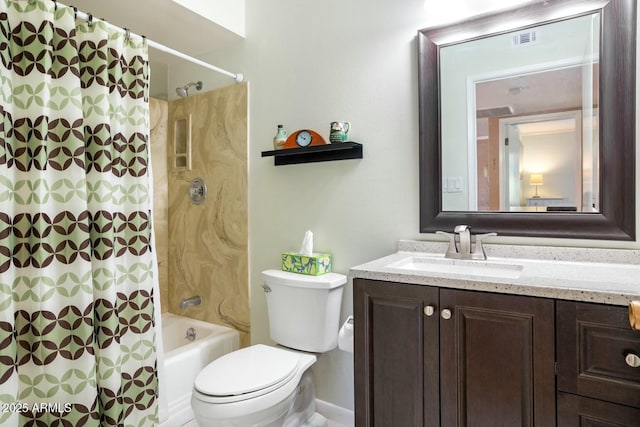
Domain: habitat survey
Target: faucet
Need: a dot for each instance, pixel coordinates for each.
(460, 243)
(464, 236)
(188, 302)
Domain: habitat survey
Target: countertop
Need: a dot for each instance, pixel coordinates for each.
(609, 276)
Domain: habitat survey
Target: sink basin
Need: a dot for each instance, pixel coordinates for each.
(416, 263)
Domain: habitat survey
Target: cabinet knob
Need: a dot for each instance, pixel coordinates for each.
(429, 310)
(446, 314)
(632, 360)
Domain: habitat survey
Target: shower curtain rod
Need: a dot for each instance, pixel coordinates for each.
(238, 77)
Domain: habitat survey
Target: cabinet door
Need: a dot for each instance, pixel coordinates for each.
(578, 411)
(497, 360)
(593, 343)
(396, 355)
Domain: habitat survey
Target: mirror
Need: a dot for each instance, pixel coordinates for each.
(496, 155)
(522, 96)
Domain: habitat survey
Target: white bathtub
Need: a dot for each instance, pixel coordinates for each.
(183, 359)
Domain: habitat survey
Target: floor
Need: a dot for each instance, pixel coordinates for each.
(325, 409)
(331, 424)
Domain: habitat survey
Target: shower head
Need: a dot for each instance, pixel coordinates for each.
(183, 91)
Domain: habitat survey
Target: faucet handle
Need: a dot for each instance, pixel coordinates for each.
(451, 250)
(451, 236)
(478, 250)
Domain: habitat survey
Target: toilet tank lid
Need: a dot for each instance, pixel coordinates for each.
(324, 281)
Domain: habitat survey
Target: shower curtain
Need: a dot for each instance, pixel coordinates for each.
(77, 336)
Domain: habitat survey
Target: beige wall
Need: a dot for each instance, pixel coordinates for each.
(309, 63)
(208, 243)
(158, 119)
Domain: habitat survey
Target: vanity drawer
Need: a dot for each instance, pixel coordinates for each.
(578, 411)
(593, 341)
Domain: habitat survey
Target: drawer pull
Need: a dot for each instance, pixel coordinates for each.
(446, 314)
(632, 360)
(429, 310)
(634, 315)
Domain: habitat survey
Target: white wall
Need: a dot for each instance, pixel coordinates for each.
(554, 155)
(308, 63)
(227, 13)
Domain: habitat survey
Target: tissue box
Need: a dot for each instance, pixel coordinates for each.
(314, 264)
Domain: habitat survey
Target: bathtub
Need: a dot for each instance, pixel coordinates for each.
(183, 359)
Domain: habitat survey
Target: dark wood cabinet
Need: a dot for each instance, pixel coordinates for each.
(596, 384)
(579, 411)
(496, 360)
(426, 356)
(396, 354)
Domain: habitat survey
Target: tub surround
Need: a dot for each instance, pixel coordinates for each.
(208, 243)
(606, 276)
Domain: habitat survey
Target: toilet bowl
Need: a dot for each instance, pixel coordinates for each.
(257, 386)
(268, 386)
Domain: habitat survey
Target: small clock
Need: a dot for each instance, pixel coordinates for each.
(304, 138)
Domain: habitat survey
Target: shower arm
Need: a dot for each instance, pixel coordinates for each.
(183, 91)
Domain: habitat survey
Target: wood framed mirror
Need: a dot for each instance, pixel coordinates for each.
(612, 215)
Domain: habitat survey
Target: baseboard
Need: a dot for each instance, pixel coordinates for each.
(335, 413)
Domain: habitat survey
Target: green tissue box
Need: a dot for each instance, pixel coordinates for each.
(314, 264)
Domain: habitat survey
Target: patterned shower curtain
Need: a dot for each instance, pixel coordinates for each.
(77, 336)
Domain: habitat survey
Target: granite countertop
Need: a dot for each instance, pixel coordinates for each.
(609, 276)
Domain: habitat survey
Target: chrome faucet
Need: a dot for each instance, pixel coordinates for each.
(464, 237)
(460, 243)
(191, 334)
(188, 302)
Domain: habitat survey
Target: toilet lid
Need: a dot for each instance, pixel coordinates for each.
(246, 371)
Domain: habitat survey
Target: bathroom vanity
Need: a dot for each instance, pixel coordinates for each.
(533, 336)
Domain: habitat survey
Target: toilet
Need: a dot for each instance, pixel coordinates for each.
(272, 386)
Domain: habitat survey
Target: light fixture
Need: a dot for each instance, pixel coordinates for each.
(536, 179)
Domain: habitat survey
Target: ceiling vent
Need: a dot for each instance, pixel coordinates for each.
(525, 38)
(494, 112)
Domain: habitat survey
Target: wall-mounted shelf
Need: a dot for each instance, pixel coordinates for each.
(316, 153)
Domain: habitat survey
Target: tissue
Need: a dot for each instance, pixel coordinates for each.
(307, 244)
(306, 261)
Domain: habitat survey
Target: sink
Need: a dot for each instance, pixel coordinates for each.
(427, 264)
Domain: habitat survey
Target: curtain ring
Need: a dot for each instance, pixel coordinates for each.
(55, 5)
(127, 34)
(75, 12)
(90, 20)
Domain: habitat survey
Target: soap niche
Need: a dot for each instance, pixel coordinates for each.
(181, 137)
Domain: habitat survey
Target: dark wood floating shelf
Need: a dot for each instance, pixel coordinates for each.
(316, 153)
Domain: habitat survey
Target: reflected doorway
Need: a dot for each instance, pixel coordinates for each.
(539, 163)
(532, 159)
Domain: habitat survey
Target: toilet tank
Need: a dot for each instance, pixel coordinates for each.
(304, 311)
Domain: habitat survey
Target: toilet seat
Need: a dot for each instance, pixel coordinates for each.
(246, 374)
